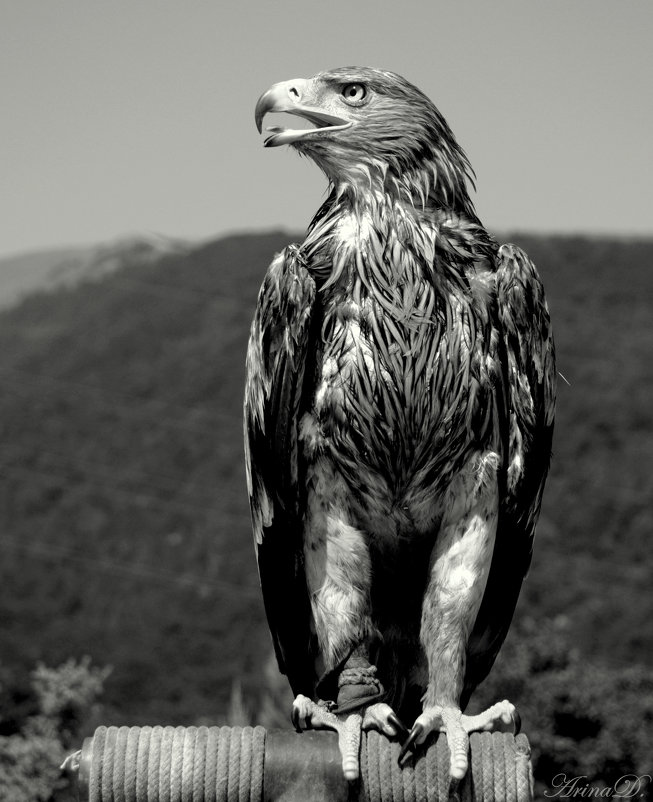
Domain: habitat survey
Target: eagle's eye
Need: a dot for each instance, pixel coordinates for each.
(354, 94)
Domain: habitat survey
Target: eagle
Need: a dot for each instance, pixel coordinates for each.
(398, 415)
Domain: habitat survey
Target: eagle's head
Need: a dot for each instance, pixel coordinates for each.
(370, 126)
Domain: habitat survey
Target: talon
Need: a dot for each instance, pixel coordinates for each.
(294, 717)
(517, 721)
(410, 742)
(402, 729)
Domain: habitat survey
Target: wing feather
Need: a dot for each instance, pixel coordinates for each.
(279, 357)
(529, 388)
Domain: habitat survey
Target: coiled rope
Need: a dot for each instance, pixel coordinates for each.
(248, 764)
(174, 764)
(499, 770)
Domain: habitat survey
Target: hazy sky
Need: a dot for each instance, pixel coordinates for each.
(120, 117)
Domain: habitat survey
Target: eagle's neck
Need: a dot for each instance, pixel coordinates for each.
(421, 175)
(380, 234)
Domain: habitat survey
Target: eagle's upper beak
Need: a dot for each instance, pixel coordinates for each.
(295, 97)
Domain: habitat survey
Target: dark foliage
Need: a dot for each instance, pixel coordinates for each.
(42, 719)
(583, 718)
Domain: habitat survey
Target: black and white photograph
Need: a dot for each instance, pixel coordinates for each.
(326, 388)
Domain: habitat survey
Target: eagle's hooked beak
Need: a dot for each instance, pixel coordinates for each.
(292, 97)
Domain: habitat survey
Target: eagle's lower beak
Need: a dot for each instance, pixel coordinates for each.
(293, 97)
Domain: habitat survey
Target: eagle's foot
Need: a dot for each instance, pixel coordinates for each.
(442, 718)
(358, 707)
(501, 717)
(307, 714)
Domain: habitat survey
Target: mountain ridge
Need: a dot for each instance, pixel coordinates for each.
(47, 269)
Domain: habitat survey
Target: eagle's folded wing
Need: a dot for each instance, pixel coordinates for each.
(278, 354)
(530, 388)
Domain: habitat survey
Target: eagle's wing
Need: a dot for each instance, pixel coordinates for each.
(279, 359)
(527, 352)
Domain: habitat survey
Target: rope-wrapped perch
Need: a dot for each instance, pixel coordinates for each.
(248, 764)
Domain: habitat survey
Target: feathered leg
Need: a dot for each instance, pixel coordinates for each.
(459, 570)
(338, 573)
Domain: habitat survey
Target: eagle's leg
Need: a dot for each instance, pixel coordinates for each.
(338, 574)
(458, 574)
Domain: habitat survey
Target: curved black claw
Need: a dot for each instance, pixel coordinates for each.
(402, 729)
(294, 717)
(517, 720)
(409, 743)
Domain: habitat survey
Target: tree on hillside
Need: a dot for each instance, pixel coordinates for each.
(40, 722)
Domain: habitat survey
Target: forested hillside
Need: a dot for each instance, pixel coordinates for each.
(124, 527)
